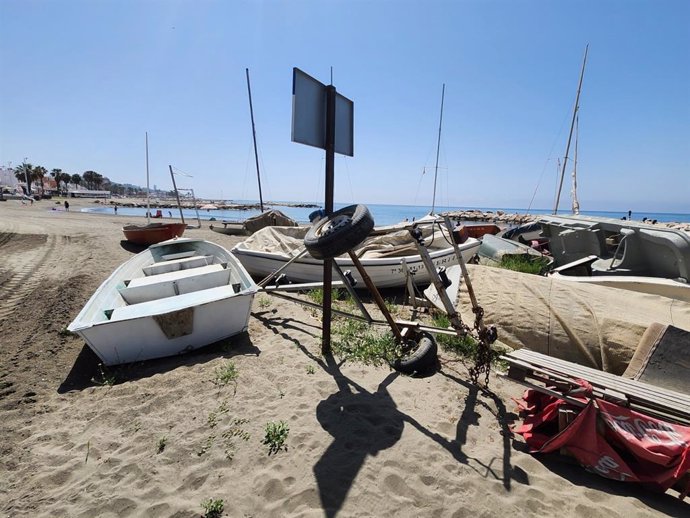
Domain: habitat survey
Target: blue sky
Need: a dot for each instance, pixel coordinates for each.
(82, 81)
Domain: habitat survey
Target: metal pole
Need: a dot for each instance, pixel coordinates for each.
(26, 176)
(438, 148)
(196, 209)
(570, 136)
(148, 203)
(273, 275)
(177, 194)
(256, 153)
(463, 267)
(377, 297)
(330, 181)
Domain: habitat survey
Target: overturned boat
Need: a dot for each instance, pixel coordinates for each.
(174, 297)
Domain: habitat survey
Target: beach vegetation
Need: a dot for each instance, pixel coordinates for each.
(310, 369)
(355, 340)
(524, 263)
(391, 306)
(264, 302)
(213, 507)
(461, 345)
(160, 445)
(337, 294)
(226, 373)
(228, 436)
(466, 346)
(65, 333)
(104, 377)
(215, 415)
(208, 444)
(276, 435)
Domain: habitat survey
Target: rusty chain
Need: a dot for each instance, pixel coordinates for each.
(484, 355)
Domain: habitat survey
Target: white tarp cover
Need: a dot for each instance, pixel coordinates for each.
(270, 217)
(596, 326)
(288, 240)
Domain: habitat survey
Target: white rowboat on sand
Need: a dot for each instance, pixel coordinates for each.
(174, 297)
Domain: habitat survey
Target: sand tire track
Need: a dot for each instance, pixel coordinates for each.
(26, 278)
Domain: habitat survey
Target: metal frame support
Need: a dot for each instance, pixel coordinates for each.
(453, 315)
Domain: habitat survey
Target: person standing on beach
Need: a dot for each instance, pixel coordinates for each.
(115, 209)
(66, 205)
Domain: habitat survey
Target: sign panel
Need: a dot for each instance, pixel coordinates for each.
(309, 115)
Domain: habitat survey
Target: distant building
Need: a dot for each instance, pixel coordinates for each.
(89, 194)
(7, 179)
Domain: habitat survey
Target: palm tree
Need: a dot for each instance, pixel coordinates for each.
(57, 175)
(90, 178)
(39, 174)
(64, 179)
(76, 179)
(24, 173)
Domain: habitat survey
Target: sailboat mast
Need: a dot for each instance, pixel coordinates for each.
(148, 203)
(576, 203)
(256, 152)
(572, 125)
(438, 148)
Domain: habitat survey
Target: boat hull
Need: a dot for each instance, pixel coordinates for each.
(384, 272)
(153, 233)
(652, 285)
(158, 322)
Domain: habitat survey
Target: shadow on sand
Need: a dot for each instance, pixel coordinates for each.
(364, 423)
(88, 371)
(132, 247)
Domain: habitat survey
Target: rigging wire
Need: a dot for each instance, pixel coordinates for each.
(347, 176)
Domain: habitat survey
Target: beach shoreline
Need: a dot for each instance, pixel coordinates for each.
(158, 438)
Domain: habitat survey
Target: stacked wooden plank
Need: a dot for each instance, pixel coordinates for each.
(559, 378)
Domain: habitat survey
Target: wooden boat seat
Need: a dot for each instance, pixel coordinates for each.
(155, 287)
(178, 264)
(178, 255)
(171, 304)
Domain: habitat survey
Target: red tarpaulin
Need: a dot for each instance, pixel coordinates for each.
(610, 440)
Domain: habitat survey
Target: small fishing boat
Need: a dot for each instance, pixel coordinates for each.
(247, 227)
(152, 233)
(174, 297)
(385, 258)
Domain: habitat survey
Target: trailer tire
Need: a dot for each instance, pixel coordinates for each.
(341, 231)
(423, 358)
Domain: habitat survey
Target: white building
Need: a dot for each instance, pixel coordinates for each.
(7, 179)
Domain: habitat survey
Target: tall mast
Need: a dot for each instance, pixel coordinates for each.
(576, 203)
(256, 153)
(148, 203)
(438, 148)
(572, 125)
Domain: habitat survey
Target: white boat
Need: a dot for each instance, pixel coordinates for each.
(620, 253)
(269, 249)
(151, 233)
(173, 297)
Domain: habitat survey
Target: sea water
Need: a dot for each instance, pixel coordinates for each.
(383, 214)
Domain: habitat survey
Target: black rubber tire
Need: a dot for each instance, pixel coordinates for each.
(341, 231)
(422, 359)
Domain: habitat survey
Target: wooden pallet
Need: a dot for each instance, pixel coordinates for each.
(558, 378)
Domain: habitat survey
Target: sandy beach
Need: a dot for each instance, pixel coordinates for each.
(165, 436)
